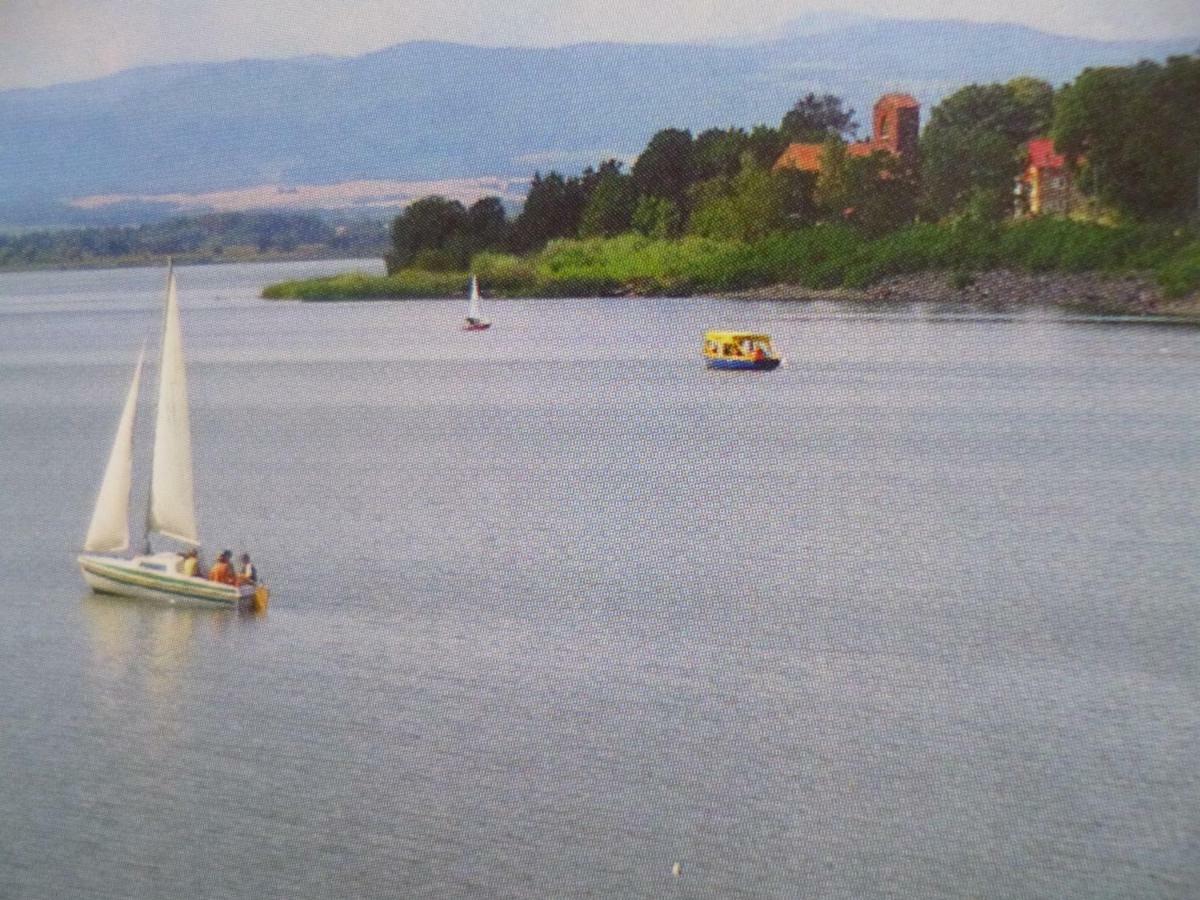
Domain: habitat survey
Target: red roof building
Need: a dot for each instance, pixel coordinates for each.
(1045, 187)
(1042, 156)
(895, 123)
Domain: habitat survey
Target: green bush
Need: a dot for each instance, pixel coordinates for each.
(407, 283)
(435, 260)
(1180, 274)
(503, 271)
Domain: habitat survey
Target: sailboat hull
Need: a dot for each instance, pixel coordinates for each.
(477, 326)
(154, 578)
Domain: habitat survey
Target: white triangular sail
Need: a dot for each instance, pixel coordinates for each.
(473, 309)
(172, 503)
(109, 529)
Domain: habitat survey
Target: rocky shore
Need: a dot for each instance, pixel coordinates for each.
(1091, 292)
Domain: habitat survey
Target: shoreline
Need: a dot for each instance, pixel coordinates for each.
(1134, 295)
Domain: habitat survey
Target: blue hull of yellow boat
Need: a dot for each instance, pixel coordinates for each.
(762, 365)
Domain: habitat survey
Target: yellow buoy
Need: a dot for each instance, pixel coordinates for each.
(262, 596)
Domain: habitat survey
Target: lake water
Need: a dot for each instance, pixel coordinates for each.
(554, 607)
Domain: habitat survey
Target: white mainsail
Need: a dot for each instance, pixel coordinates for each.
(172, 503)
(473, 310)
(109, 529)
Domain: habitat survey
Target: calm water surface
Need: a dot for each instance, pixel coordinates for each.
(555, 607)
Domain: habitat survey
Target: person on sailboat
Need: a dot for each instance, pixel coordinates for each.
(247, 574)
(190, 565)
(222, 570)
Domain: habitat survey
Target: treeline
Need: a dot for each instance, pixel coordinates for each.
(678, 184)
(214, 236)
(1131, 135)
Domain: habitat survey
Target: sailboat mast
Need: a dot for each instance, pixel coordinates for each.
(146, 525)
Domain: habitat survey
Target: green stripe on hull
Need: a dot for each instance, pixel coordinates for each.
(159, 583)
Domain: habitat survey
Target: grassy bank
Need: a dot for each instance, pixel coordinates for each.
(825, 256)
(410, 283)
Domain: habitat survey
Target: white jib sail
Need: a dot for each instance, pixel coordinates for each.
(172, 503)
(473, 310)
(109, 529)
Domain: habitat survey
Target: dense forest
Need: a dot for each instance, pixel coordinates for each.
(214, 237)
(1131, 136)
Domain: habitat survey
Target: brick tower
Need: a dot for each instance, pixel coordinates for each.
(895, 125)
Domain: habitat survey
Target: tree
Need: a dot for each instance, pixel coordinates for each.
(717, 153)
(429, 224)
(877, 193)
(612, 199)
(487, 224)
(974, 144)
(657, 217)
(958, 163)
(553, 208)
(665, 168)
(797, 188)
(1017, 111)
(765, 144)
(1136, 132)
(887, 193)
(440, 234)
(746, 207)
(1036, 98)
(834, 193)
(812, 119)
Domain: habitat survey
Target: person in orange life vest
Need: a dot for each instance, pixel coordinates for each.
(759, 354)
(222, 570)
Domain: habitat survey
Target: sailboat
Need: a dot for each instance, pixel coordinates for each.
(171, 510)
(475, 320)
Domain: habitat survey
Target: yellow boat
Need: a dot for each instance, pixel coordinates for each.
(740, 350)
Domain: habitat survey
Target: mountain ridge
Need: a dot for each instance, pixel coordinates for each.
(427, 110)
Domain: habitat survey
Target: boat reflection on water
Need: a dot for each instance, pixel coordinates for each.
(150, 643)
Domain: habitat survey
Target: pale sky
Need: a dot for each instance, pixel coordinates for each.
(48, 41)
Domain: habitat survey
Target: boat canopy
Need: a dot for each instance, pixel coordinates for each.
(736, 337)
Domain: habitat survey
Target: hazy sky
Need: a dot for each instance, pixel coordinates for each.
(47, 41)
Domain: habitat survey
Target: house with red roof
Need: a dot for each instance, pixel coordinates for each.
(1045, 186)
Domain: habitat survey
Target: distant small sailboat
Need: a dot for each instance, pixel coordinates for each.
(171, 508)
(475, 320)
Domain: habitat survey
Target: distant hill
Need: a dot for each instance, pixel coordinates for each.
(227, 237)
(429, 110)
